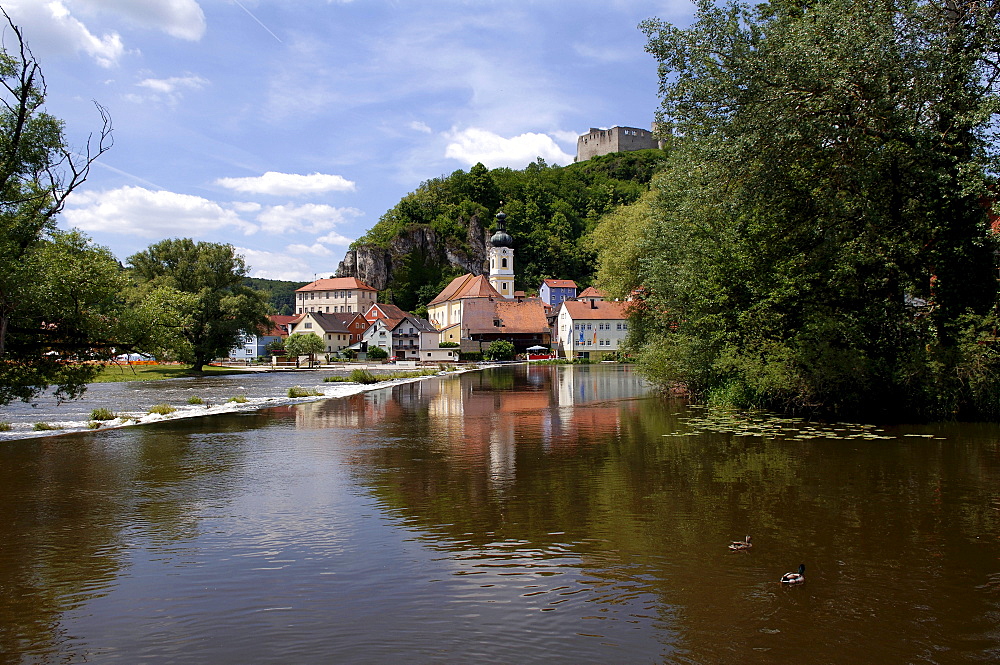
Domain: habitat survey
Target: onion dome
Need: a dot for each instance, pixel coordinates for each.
(501, 238)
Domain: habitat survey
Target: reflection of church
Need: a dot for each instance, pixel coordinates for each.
(473, 310)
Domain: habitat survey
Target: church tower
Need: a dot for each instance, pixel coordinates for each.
(502, 259)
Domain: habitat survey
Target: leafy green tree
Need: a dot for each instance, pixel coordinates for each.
(65, 305)
(304, 344)
(500, 349)
(818, 239)
(217, 306)
(377, 353)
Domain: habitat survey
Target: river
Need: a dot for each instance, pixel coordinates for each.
(518, 514)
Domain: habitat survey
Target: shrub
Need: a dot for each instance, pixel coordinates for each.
(102, 414)
(162, 409)
(93, 424)
(42, 427)
(448, 345)
(194, 399)
(299, 391)
(363, 376)
(4, 426)
(335, 379)
(377, 353)
(239, 399)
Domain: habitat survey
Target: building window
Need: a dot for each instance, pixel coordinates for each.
(307, 324)
(503, 262)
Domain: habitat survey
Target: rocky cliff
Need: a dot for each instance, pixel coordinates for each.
(381, 267)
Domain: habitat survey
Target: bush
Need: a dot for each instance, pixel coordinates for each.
(239, 399)
(500, 349)
(363, 376)
(335, 379)
(102, 414)
(162, 409)
(377, 353)
(299, 391)
(448, 345)
(42, 427)
(4, 426)
(194, 399)
(94, 424)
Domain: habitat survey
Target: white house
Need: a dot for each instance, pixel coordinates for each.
(591, 328)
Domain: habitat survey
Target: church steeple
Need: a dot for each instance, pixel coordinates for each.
(502, 259)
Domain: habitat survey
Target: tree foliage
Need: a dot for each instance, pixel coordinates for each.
(65, 305)
(304, 344)
(207, 279)
(819, 239)
(550, 212)
(500, 349)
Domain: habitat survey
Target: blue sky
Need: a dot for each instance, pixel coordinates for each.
(288, 127)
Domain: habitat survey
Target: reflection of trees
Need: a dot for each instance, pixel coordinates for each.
(549, 463)
(75, 505)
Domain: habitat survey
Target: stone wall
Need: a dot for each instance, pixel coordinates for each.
(617, 139)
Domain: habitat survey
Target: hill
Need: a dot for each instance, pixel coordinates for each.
(281, 293)
(440, 230)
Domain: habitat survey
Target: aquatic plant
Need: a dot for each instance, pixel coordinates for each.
(42, 427)
(299, 391)
(194, 399)
(162, 409)
(239, 399)
(4, 426)
(363, 376)
(335, 379)
(94, 424)
(102, 414)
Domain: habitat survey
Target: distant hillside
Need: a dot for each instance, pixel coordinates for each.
(282, 293)
(440, 230)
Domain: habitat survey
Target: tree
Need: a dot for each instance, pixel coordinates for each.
(377, 353)
(65, 305)
(500, 349)
(818, 240)
(208, 277)
(304, 344)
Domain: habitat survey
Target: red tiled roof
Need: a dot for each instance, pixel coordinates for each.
(280, 323)
(527, 316)
(467, 286)
(336, 284)
(600, 309)
(560, 283)
(590, 292)
(391, 314)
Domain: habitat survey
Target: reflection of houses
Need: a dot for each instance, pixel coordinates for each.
(253, 345)
(334, 295)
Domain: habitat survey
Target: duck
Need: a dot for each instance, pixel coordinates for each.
(740, 545)
(795, 578)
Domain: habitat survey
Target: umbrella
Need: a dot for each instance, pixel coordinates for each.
(537, 348)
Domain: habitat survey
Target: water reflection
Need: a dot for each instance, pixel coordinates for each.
(557, 514)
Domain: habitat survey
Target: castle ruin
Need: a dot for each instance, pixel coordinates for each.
(617, 139)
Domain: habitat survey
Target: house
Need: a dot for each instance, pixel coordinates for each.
(334, 295)
(253, 345)
(591, 293)
(331, 328)
(555, 291)
(591, 328)
(399, 337)
(447, 308)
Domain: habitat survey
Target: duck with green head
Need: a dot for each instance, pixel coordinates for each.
(795, 578)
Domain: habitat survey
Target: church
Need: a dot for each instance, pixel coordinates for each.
(474, 310)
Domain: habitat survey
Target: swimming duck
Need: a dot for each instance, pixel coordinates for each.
(740, 545)
(795, 578)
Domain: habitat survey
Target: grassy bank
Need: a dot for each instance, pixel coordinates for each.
(116, 373)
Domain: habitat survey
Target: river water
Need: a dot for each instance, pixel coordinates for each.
(511, 515)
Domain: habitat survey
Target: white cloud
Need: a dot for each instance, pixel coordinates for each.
(52, 26)
(316, 249)
(173, 84)
(288, 184)
(279, 265)
(479, 145)
(183, 19)
(334, 238)
(309, 218)
(418, 126)
(150, 214)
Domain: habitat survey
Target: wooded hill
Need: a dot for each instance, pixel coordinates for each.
(550, 211)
